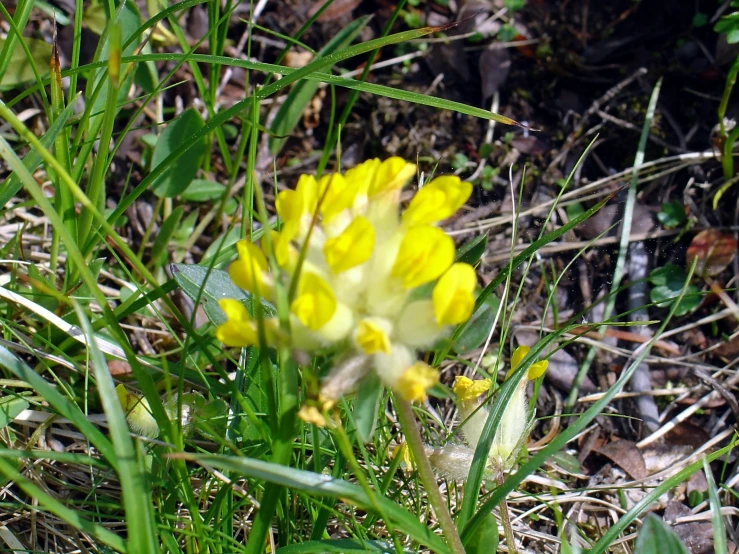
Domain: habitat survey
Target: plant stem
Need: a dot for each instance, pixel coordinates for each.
(426, 474)
(505, 518)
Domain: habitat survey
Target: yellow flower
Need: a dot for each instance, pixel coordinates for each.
(311, 414)
(292, 205)
(391, 175)
(467, 390)
(315, 302)
(536, 369)
(250, 271)
(335, 195)
(425, 253)
(453, 295)
(351, 248)
(372, 335)
(138, 413)
(415, 381)
(437, 200)
(239, 329)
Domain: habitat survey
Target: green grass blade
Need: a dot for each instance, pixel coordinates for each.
(12, 184)
(719, 529)
(62, 405)
(136, 495)
(322, 485)
(291, 111)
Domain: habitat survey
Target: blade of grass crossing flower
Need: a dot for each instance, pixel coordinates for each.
(568, 434)
(131, 469)
(323, 485)
(719, 529)
(69, 515)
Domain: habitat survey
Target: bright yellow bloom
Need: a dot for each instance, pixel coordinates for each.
(372, 336)
(363, 262)
(292, 205)
(351, 248)
(425, 253)
(250, 271)
(138, 413)
(315, 302)
(453, 295)
(239, 329)
(536, 369)
(437, 200)
(311, 414)
(415, 381)
(392, 175)
(467, 390)
(335, 194)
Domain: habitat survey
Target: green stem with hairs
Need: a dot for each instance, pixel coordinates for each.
(426, 474)
(505, 519)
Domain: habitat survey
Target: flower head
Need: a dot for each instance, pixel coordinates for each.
(362, 260)
(515, 424)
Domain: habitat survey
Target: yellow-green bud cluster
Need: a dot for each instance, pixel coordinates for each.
(357, 259)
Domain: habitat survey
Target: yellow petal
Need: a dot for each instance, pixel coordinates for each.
(310, 414)
(425, 253)
(415, 381)
(518, 355)
(372, 335)
(361, 177)
(239, 329)
(437, 200)
(336, 195)
(467, 389)
(392, 175)
(250, 271)
(352, 247)
(138, 413)
(291, 205)
(315, 302)
(453, 295)
(537, 369)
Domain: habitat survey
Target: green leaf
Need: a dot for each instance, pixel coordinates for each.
(655, 537)
(672, 214)
(668, 282)
(10, 407)
(180, 173)
(202, 190)
(485, 538)
(478, 327)
(291, 110)
(211, 285)
(472, 250)
(367, 406)
(729, 26)
(20, 67)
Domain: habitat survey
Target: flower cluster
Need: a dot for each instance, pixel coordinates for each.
(514, 427)
(367, 279)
